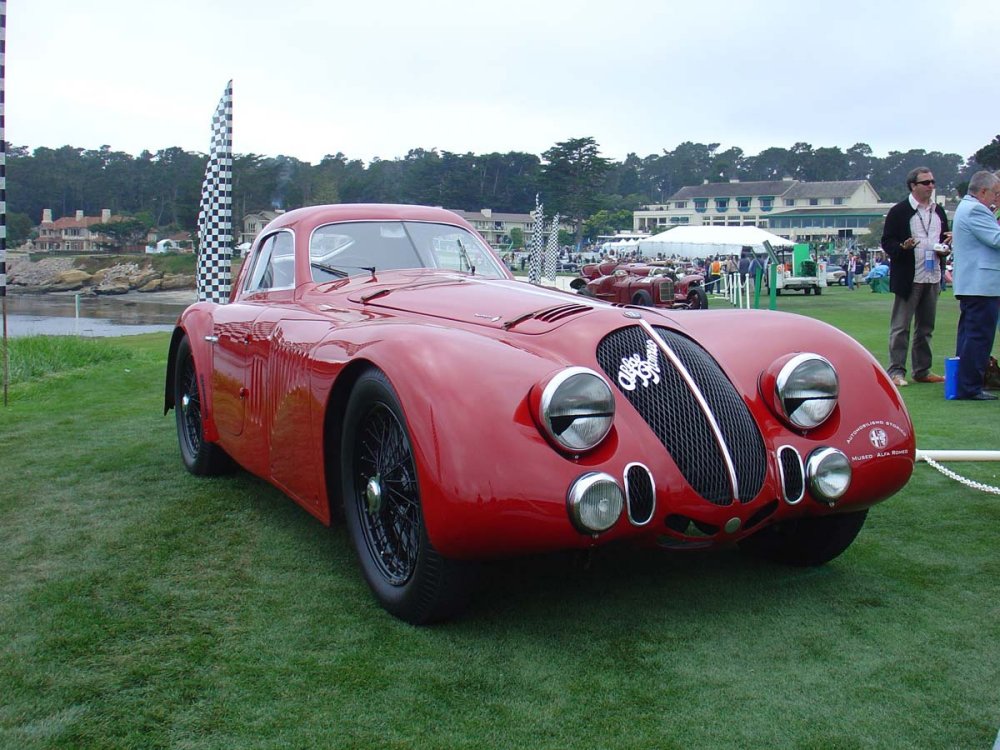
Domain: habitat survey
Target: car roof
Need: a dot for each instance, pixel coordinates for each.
(313, 216)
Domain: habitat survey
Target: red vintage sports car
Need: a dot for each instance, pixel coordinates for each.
(382, 360)
(649, 285)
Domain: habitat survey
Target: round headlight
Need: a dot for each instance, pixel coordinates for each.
(594, 502)
(828, 472)
(577, 409)
(807, 389)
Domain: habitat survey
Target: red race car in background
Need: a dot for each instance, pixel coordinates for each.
(648, 285)
(380, 363)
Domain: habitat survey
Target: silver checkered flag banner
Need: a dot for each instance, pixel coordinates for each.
(215, 219)
(552, 250)
(537, 244)
(3, 197)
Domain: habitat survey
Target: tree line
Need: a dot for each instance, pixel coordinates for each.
(162, 189)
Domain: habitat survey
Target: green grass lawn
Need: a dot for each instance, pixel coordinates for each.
(142, 607)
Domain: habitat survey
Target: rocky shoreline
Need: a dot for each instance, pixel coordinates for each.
(47, 275)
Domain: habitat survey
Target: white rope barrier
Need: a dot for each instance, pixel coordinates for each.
(931, 457)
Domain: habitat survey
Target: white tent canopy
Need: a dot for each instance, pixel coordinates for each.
(699, 242)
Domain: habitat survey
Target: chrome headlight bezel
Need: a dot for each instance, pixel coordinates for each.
(575, 409)
(595, 502)
(806, 390)
(828, 474)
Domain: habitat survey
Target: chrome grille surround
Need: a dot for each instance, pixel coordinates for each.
(692, 407)
(640, 494)
(793, 484)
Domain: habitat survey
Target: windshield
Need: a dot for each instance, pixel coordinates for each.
(352, 248)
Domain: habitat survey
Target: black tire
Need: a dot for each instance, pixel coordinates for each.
(382, 507)
(806, 290)
(818, 290)
(806, 542)
(642, 298)
(697, 299)
(200, 456)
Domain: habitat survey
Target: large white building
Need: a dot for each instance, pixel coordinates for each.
(797, 210)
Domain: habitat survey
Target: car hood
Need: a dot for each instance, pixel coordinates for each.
(495, 303)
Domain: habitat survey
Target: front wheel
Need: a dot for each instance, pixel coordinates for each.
(697, 299)
(806, 542)
(383, 510)
(200, 456)
(642, 298)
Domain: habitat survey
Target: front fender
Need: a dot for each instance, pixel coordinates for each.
(483, 465)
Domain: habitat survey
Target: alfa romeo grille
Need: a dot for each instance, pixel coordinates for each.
(671, 408)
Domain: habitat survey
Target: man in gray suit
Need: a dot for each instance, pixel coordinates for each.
(976, 244)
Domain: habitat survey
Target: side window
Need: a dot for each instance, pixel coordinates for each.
(274, 264)
(260, 273)
(283, 261)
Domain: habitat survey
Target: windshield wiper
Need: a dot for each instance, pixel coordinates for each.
(465, 256)
(340, 274)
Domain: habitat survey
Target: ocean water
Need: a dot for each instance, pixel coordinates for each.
(64, 315)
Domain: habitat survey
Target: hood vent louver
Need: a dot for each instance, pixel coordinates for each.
(550, 315)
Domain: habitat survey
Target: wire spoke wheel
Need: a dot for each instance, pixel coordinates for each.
(387, 495)
(384, 510)
(200, 456)
(189, 404)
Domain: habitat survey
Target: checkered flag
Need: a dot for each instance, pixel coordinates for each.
(3, 152)
(215, 219)
(3, 196)
(535, 258)
(552, 250)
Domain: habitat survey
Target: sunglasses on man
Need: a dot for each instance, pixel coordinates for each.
(925, 183)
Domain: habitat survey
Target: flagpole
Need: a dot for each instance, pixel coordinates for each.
(6, 358)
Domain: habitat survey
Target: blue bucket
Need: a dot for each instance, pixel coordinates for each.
(951, 378)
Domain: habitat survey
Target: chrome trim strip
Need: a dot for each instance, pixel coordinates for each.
(702, 403)
(781, 474)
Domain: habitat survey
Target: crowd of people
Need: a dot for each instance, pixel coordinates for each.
(918, 241)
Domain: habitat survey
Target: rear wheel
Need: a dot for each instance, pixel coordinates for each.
(806, 541)
(200, 457)
(818, 290)
(382, 506)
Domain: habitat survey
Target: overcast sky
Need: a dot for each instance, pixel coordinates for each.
(378, 78)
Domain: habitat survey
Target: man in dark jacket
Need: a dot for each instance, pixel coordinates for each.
(915, 239)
